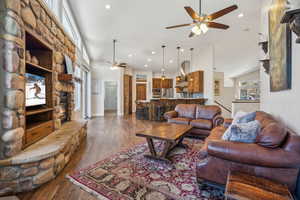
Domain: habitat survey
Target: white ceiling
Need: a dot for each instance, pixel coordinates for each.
(139, 26)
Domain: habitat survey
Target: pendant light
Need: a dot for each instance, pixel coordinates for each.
(191, 64)
(179, 65)
(163, 77)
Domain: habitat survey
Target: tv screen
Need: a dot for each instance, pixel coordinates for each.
(35, 90)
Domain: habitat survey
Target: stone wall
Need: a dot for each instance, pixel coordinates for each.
(16, 17)
(26, 169)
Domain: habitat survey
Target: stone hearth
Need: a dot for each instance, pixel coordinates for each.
(42, 161)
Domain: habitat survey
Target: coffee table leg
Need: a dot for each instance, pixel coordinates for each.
(151, 147)
(180, 144)
(167, 148)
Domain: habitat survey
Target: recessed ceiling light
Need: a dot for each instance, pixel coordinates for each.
(146, 65)
(149, 60)
(107, 7)
(171, 61)
(241, 15)
(130, 55)
(153, 52)
(182, 50)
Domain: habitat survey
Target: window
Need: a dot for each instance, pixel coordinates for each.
(49, 3)
(77, 75)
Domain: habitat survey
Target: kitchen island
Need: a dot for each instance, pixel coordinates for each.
(154, 109)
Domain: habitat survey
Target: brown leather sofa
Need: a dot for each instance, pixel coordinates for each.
(275, 155)
(202, 118)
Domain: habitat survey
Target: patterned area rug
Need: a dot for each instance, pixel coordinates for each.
(128, 175)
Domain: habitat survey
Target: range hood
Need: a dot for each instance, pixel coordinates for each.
(184, 70)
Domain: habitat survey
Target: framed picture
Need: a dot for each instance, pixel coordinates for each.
(217, 88)
(141, 78)
(280, 48)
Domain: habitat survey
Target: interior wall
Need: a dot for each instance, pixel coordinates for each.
(204, 60)
(102, 74)
(284, 104)
(226, 94)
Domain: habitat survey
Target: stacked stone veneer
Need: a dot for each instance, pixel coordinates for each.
(17, 17)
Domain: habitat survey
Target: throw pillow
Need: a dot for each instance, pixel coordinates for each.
(243, 117)
(243, 132)
(249, 117)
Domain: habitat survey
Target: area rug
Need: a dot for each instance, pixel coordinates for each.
(128, 175)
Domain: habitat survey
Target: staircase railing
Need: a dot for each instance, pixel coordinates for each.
(224, 107)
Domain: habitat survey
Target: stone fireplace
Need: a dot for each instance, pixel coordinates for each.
(35, 143)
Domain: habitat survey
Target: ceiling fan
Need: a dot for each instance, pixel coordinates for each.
(203, 22)
(114, 63)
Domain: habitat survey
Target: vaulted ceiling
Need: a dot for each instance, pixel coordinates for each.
(139, 27)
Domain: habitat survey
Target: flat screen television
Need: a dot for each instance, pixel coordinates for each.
(35, 90)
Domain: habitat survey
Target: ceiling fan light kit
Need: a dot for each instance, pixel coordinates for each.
(202, 23)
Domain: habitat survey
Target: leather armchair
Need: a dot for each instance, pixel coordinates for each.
(280, 162)
(202, 118)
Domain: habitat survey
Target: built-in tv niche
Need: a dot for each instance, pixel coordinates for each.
(39, 89)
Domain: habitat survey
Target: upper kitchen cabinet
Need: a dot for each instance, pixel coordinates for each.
(167, 83)
(196, 82)
(156, 83)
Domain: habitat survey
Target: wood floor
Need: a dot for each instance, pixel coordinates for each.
(106, 136)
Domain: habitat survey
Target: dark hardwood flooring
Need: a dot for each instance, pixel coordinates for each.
(106, 136)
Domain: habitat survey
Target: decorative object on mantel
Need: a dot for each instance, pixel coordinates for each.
(264, 46)
(28, 56)
(34, 60)
(292, 17)
(280, 48)
(266, 65)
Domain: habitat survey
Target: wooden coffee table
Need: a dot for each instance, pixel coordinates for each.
(241, 186)
(172, 134)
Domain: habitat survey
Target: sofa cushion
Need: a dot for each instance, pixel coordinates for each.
(207, 112)
(186, 110)
(179, 120)
(264, 118)
(243, 132)
(272, 136)
(202, 124)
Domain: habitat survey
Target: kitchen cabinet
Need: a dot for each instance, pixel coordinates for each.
(196, 82)
(167, 83)
(156, 83)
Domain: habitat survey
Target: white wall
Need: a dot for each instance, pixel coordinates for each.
(104, 73)
(226, 94)
(284, 104)
(204, 60)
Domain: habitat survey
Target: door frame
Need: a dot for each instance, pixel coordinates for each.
(119, 108)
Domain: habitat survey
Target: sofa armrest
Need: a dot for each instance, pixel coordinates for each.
(253, 154)
(170, 115)
(227, 122)
(218, 120)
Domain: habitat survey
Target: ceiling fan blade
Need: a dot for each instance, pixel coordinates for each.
(217, 25)
(192, 13)
(222, 12)
(192, 35)
(178, 26)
